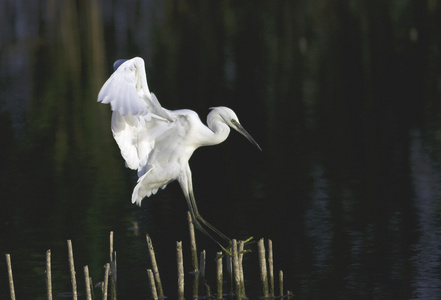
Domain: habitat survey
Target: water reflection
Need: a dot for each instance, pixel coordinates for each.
(342, 97)
(425, 260)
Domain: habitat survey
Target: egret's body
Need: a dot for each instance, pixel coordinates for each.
(158, 142)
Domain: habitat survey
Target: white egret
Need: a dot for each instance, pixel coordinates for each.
(158, 142)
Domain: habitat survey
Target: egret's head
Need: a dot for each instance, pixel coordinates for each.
(228, 116)
(118, 63)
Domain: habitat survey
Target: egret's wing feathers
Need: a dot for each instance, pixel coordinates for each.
(138, 118)
(128, 93)
(136, 136)
(122, 90)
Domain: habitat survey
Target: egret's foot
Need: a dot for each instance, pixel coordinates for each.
(248, 239)
(245, 242)
(228, 251)
(245, 251)
(225, 250)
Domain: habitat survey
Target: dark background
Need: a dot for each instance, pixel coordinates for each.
(342, 96)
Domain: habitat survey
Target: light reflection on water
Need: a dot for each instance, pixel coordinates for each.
(426, 261)
(347, 185)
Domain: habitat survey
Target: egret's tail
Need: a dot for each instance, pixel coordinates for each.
(144, 189)
(141, 191)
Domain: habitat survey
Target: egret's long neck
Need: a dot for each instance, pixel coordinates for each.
(220, 130)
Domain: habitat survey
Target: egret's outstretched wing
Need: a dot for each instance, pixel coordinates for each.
(138, 118)
(128, 93)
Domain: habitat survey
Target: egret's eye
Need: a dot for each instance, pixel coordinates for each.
(234, 122)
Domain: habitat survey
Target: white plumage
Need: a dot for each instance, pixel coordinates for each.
(158, 142)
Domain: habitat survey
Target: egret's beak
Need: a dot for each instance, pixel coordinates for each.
(245, 133)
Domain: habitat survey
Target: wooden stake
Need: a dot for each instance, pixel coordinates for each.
(270, 268)
(202, 265)
(241, 277)
(229, 262)
(236, 270)
(72, 270)
(202, 257)
(87, 283)
(113, 268)
(111, 245)
(106, 280)
(180, 260)
(154, 266)
(194, 252)
(195, 284)
(281, 284)
(152, 284)
(194, 255)
(202, 269)
(219, 276)
(11, 279)
(113, 275)
(48, 275)
(262, 264)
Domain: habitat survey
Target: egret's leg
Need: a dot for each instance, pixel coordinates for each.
(198, 216)
(187, 187)
(198, 225)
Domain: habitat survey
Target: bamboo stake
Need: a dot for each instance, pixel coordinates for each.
(48, 275)
(194, 252)
(219, 276)
(281, 284)
(113, 268)
(202, 269)
(111, 245)
(155, 266)
(152, 284)
(180, 260)
(194, 255)
(91, 287)
(229, 262)
(11, 279)
(241, 277)
(87, 283)
(72, 270)
(236, 271)
(106, 281)
(202, 264)
(270, 268)
(195, 284)
(113, 275)
(262, 264)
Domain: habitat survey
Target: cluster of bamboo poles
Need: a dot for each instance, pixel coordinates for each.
(235, 287)
(108, 285)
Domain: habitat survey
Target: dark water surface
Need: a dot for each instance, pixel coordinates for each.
(343, 97)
